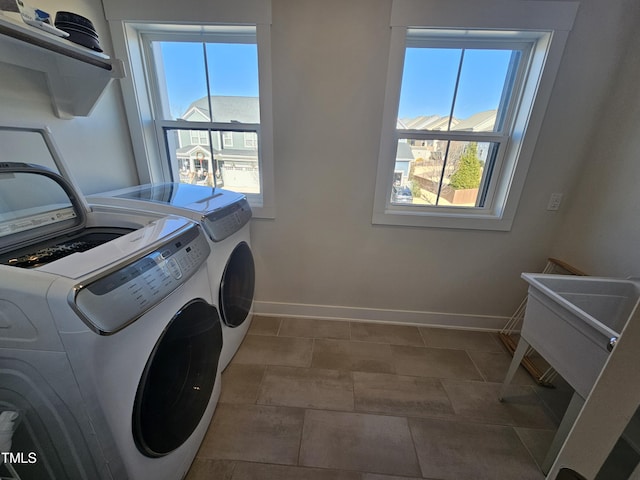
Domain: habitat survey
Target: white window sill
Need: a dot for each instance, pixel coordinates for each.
(467, 220)
(261, 208)
(258, 211)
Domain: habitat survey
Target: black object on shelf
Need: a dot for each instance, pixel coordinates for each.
(79, 28)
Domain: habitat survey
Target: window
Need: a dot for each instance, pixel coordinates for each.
(250, 140)
(195, 93)
(211, 80)
(462, 110)
(456, 97)
(199, 137)
(227, 139)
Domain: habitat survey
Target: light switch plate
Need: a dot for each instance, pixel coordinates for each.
(554, 201)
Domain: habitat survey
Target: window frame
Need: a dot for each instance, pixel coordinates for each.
(147, 131)
(214, 34)
(546, 26)
(482, 40)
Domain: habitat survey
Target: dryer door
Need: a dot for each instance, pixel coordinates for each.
(237, 286)
(178, 380)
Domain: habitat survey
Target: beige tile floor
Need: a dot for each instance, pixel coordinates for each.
(321, 399)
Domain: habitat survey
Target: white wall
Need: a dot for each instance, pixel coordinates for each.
(98, 147)
(601, 231)
(601, 234)
(329, 61)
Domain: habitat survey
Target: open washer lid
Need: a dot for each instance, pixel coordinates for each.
(36, 204)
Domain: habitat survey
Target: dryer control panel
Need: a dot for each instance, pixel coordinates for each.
(226, 221)
(112, 301)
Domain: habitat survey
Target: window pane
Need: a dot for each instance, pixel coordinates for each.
(183, 74)
(428, 86)
(235, 168)
(483, 81)
(462, 175)
(233, 69)
(440, 172)
(232, 73)
(233, 79)
(428, 95)
(231, 109)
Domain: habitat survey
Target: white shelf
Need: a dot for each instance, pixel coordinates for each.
(76, 76)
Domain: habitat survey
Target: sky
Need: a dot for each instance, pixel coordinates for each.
(429, 77)
(233, 71)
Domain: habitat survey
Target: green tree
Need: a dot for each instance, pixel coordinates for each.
(469, 171)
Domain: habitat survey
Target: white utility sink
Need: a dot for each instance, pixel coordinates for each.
(570, 320)
(573, 323)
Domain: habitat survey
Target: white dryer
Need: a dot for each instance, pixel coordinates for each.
(110, 340)
(224, 215)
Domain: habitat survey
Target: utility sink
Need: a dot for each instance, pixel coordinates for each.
(573, 322)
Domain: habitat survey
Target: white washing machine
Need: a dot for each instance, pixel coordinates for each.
(224, 215)
(109, 338)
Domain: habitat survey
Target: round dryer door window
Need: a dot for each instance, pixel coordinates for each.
(237, 287)
(178, 380)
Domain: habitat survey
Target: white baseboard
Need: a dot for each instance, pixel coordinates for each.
(404, 317)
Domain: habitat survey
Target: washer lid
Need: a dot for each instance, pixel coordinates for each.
(198, 198)
(36, 204)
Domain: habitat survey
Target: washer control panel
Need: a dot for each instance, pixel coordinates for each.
(223, 223)
(111, 302)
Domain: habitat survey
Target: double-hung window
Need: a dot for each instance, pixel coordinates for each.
(198, 96)
(207, 101)
(463, 108)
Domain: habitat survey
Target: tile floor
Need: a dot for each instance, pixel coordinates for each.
(321, 399)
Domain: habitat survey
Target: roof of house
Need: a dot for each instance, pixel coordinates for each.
(479, 122)
(188, 149)
(404, 152)
(226, 109)
(429, 122)
(421, 122)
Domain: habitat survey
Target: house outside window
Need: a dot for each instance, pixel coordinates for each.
(463, 108)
